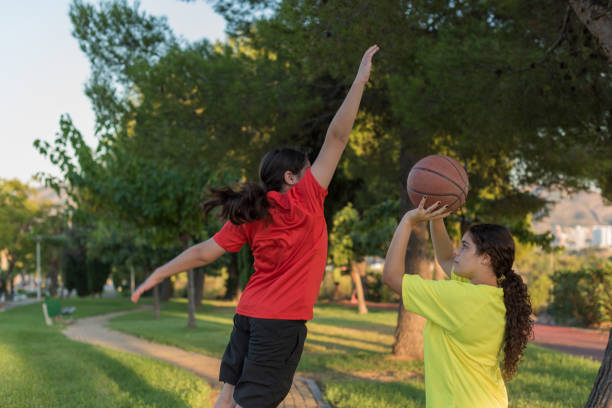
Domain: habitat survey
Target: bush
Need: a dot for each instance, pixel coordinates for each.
(377, 291)
(539, 291)
(582, 297)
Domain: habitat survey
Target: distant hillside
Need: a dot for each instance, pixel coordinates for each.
(585, 208)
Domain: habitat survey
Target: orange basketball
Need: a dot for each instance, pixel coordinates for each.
(439, 178)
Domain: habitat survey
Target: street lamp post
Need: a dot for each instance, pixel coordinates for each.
(38, 267)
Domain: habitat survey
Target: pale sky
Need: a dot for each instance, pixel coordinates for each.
(43, 73)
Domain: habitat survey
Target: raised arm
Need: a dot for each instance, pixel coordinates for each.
(193, 257)
(339, 130)
(443, 247)
(394, 269)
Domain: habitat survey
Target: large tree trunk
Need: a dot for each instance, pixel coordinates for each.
(597, 17)
(200, 279)
(167, 290)
(156, 302)
(408, 342)
(601, 394)
(356, 269)
(232, 286)
(191, 308)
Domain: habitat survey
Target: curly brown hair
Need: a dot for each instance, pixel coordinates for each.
(496, 241)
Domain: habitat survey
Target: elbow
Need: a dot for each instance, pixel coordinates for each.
(203, 257)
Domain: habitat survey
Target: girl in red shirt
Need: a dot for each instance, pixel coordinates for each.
(282, 221)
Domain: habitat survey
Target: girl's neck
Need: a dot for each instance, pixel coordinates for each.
(484, 278)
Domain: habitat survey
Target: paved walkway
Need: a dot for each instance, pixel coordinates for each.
(572, 340)
(11, 305)
(304, 392)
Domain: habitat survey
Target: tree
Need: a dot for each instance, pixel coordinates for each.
(597, 17)
(21, 215)
(518, 95)
(601, 394)
(355, 236)
(451, 75)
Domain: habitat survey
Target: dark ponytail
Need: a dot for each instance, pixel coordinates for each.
(496, 241)
(249, 202)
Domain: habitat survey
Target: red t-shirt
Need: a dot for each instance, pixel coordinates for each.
(290, 251)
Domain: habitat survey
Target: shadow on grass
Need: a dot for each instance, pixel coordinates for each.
(354, 323)
(70, 373)
(347, 337)
(353, 391)
(87, 365)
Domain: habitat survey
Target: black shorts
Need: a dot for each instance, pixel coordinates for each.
(261, 358)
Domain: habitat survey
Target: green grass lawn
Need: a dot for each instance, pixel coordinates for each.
(348, 354)
(90, 306)
(40, 367)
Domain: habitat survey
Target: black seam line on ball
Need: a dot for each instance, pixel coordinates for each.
(458, 172)
(443, 176)
(436, 195)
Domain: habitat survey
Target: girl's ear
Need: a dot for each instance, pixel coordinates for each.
(485, 259)
(290, 178)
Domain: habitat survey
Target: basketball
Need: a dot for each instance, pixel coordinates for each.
(439, 178)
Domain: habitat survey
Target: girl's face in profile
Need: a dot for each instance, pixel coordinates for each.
(467, 261)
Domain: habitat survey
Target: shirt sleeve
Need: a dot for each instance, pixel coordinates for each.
(309, 192)
(231, 237)
(444, 302)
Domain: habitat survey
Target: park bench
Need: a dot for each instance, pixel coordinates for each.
(52, 309)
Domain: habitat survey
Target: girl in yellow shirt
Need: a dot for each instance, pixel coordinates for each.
(478, 322)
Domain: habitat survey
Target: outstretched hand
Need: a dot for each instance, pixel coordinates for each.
(363, 75)
(146, 285)
(433, 212)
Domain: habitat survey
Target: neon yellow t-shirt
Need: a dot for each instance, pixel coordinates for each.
(462, 340)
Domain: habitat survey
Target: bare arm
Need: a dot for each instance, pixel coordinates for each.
(443, 246)
(394, 269)
(337, 136)
(193, 257)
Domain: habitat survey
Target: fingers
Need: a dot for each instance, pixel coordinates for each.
(422, 203)
(136, 295)
(433, 207)
(371, 51)
(436, 210)
(439, 216)
(441, 210)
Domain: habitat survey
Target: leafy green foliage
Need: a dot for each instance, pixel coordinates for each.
(583, 296)
(354, 236)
